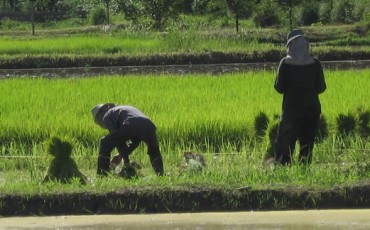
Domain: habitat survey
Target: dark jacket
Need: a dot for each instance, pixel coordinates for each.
(301, 85)
(124, 115)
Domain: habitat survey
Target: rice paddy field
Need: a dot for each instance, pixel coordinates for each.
(209, 114)
(125, 47)
(128, 44)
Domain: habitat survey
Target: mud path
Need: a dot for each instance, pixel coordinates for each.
(166, 69)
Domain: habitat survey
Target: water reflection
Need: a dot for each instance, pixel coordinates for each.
(301, 220)
(222, 227)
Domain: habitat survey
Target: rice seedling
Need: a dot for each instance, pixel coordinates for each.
(129, 45)
(62, 168)
(214, 115)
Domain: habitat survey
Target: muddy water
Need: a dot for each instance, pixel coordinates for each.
(313, 219)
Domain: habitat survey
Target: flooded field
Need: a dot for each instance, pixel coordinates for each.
(312, 219)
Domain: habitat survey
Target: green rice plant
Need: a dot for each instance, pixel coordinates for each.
(62, 168)
(209, 109)
(174, 47)
(79, 44)
(271, 134)
(210, 114)
(132, 44)
(232, 169)
(9, 25)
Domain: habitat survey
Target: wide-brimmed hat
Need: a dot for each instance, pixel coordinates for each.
(295, 33)
(100, 107)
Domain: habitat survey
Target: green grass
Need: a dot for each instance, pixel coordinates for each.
(201, 113)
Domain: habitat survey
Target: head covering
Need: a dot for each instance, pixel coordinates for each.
(295, 33)
(100, 107)
(298, 49)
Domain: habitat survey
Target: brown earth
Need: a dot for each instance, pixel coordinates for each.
(168, 69)
(190, 199)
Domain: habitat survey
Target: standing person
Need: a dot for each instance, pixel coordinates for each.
(300, 79)
(127, 127)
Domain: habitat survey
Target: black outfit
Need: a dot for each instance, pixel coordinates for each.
(128, 127)
(301, 109)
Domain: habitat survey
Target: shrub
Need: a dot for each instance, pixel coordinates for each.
(325, 12)
(366, 15)
(98, 16)
(309, 14)
(9, 24)
(361, 10)
(343, 12)
(266, 14)
(200, 6)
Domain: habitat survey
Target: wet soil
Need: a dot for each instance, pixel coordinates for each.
(187, 199)
(166, 69)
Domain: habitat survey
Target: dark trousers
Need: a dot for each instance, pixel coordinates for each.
(291, 130)
(135, 132)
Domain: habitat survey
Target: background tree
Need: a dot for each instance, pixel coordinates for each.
(217, 9)
(52, 5)
(325, 11)
(343, 11)
(239, 9)
(185, 6)
(132, 10)
(13, 5)
(32, 5)
(267, 13)
(288, 5)
(107, 2)
(200, 6)
(160, 11)
(309, 12)
(157, 11)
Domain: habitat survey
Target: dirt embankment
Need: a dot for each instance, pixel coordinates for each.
(192, 199)
(167, 69)
(109, 60)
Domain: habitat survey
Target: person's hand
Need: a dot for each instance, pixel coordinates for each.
(116, 160)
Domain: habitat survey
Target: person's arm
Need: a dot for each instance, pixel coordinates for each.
(110, 122)
(320, 80)
(123, 151)
(279, 81)
(131, 147)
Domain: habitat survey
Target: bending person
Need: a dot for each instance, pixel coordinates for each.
(127, 127)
